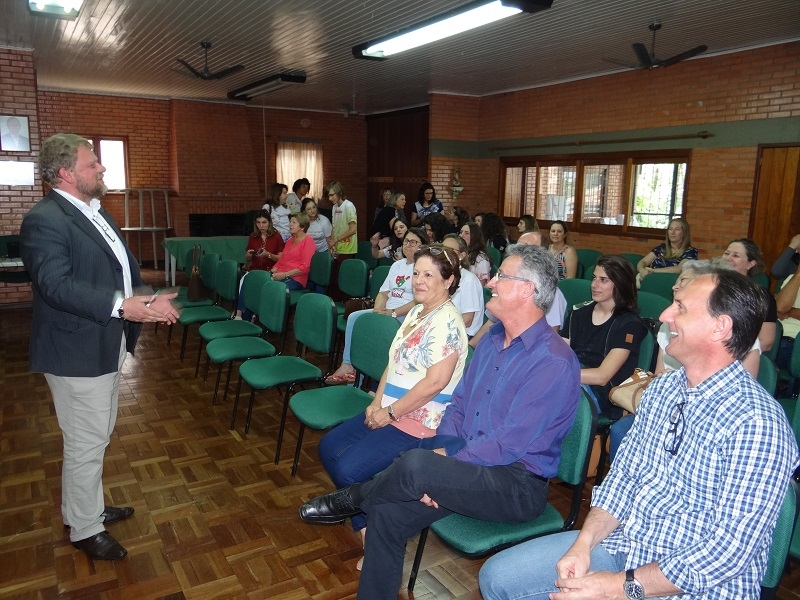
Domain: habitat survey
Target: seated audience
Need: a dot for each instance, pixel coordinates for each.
(426, 204)
(319, 227)
(426, 361)
(294, 199)
(391, 247)
(527, 223)
(264, 248)
(478, 218)
(479, 262)
(382, 227)
(395, 298)
(509, 415)
(554, 316)
(495, 233)
(745, 257)
(468, 298)
(279, 212)
(664, 362)
(689, 506)
(565, 254)
(295, 262)
(606, 333)
(669, 256)
(457, 217)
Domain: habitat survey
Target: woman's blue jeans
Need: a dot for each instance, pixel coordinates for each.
(348, 333)
(529, 569)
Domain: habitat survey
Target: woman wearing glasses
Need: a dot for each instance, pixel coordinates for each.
(395, 298)
(606, 333)
(426, 361)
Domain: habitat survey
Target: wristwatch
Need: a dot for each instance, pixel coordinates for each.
(632, 588)
(391, 413)
(394, 314)
(121, 312)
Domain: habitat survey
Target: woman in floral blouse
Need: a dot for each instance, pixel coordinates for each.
(426, 361)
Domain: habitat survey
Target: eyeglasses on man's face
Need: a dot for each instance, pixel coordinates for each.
(498, 276)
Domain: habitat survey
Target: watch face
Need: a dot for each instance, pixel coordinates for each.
(634, 590)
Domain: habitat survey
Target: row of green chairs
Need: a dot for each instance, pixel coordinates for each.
(577, 291)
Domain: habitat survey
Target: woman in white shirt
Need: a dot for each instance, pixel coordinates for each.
(320, 227)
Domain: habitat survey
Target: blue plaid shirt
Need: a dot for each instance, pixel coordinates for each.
(705, 514)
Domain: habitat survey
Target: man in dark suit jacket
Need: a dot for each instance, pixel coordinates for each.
(86, 317)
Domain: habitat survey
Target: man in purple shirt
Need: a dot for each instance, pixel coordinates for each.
(509, 415)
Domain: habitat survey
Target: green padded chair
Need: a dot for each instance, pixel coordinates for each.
(314, 328)
(651, 305)
(632, 258)
(379, 274)
(587, 258)
(319, 274)
(273, 317)
(226, 288)
(383, 261)
(353, 280)
(326, 407)
(659, 283)
(773, 352)
(476, 538)
(783, 542)
(767, 374)
(789, 402)
(495, 258)
(364, 252)
(762, 279)
(576, 291)
(208, 273)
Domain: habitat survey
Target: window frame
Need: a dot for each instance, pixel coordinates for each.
(580, 161)
(95, 141)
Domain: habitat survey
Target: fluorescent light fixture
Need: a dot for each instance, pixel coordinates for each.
(470, 16)
(272, 83)
(60, 9)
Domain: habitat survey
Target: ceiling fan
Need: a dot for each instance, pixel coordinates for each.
(350, 110)
(205, 73)
(648, 60)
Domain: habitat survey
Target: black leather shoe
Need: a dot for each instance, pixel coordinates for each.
(331, 508)
(101, 547)
(112, 514)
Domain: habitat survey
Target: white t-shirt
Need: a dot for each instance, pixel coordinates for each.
(791, 326)
(280, 219)
(398, 284)
(469, 298)
(319, 231)
(293, 203)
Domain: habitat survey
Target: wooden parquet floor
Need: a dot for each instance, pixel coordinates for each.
(215, 517)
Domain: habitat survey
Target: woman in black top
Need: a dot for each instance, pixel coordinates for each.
(495, 232)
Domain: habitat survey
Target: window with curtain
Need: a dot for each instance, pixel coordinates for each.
(296, 160)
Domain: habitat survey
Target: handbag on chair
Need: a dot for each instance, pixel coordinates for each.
(628, 394)
(196, 290)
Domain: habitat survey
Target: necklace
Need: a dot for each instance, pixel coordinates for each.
(421, 316)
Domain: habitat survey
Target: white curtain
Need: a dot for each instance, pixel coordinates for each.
(296, 160)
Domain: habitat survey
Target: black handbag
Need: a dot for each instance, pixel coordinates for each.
(356, 304)
(197, 290)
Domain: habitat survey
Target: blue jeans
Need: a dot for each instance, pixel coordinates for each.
(354, 453)
(616, 434)
(348, 333)
(529, 569)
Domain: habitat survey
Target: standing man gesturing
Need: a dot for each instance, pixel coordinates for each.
(86, 317)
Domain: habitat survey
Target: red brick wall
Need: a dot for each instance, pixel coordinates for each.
(757, 84)
(18, 97)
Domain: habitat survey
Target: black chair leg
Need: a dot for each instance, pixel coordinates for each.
(412, 578)
(205, 369)
(297, 450)
(183, 341)
(250, 410)
(236, 403)
(216, 387)
(601, 463)
(289, 389)
(227, 380)
(197, 363)
(169, 334)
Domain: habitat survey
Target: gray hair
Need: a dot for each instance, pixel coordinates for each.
(60, 150)
(541, 268)
(706, 267)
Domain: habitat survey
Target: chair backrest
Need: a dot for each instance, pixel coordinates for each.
(251, 289)
(762, 279)
(495, 257)
(576, 452)
(226, 279)
(647, 352)
(659, 283)
(364, 252)
(353, 276)
(315, 323)
(385, 261)
(487, 295)
(273, 309)
(632, 258)
(587, 257)
(320, 270)
(208, 269)
(651, 305)
(379, 274)
(773, 352)
(372, 336)
(576, 291)
(781, 538)
(767, 374)
(794, 361)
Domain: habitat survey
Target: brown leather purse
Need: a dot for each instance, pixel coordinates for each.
(628, 394)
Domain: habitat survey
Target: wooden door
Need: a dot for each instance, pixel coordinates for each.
(775, 216)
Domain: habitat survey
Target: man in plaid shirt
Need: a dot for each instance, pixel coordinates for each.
(690, 504)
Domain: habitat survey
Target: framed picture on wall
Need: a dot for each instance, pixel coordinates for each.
(14, 134)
